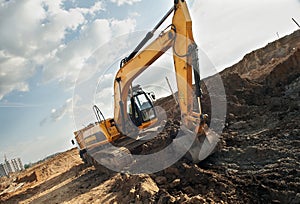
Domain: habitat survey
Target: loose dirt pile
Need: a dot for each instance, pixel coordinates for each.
(258, 162)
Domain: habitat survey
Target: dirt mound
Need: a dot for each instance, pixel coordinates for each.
(258, 163)
(40, 177)
(136, 188)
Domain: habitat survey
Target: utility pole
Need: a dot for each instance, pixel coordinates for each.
(171, 90)
(296, 22)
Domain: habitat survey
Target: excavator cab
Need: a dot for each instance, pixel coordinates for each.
(140, 107)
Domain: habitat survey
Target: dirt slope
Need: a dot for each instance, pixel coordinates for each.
(258, 162)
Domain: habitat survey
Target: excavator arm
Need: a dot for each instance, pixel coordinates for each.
(179, 37)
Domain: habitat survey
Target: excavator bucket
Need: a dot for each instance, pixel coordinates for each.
(208, 145)
(199, 146)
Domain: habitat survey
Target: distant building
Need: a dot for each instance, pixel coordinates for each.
(17, 164)
(3, 170)
(9, 167)
(14, 165)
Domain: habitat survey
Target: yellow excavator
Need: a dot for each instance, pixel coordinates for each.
(134, 111)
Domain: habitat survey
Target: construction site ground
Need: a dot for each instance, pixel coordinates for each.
(257, 162)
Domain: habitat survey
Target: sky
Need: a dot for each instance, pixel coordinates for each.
(46, 44)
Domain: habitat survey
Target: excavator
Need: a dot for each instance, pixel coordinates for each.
(134, 111)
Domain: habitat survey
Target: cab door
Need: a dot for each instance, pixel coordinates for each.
(141, 109)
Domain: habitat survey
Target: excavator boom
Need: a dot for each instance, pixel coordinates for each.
(180, 38)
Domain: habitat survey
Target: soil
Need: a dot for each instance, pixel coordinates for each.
(258, 161)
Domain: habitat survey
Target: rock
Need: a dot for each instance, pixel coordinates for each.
(161, 180)
(197, 200)
(276, 104)
(296, 199)
(175, 183)
(165, 197)
(189, 190)
(182, 198)
(231, 116)
(238, 125)
(173, 171)
(148, 188)
(234, 133)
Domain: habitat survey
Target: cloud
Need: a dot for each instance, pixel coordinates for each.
(98, 6)
(71, 58)
(38, 40)
(122, 2)
(134, 14)
(33, 39)
(14, 72)
(58, 113)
